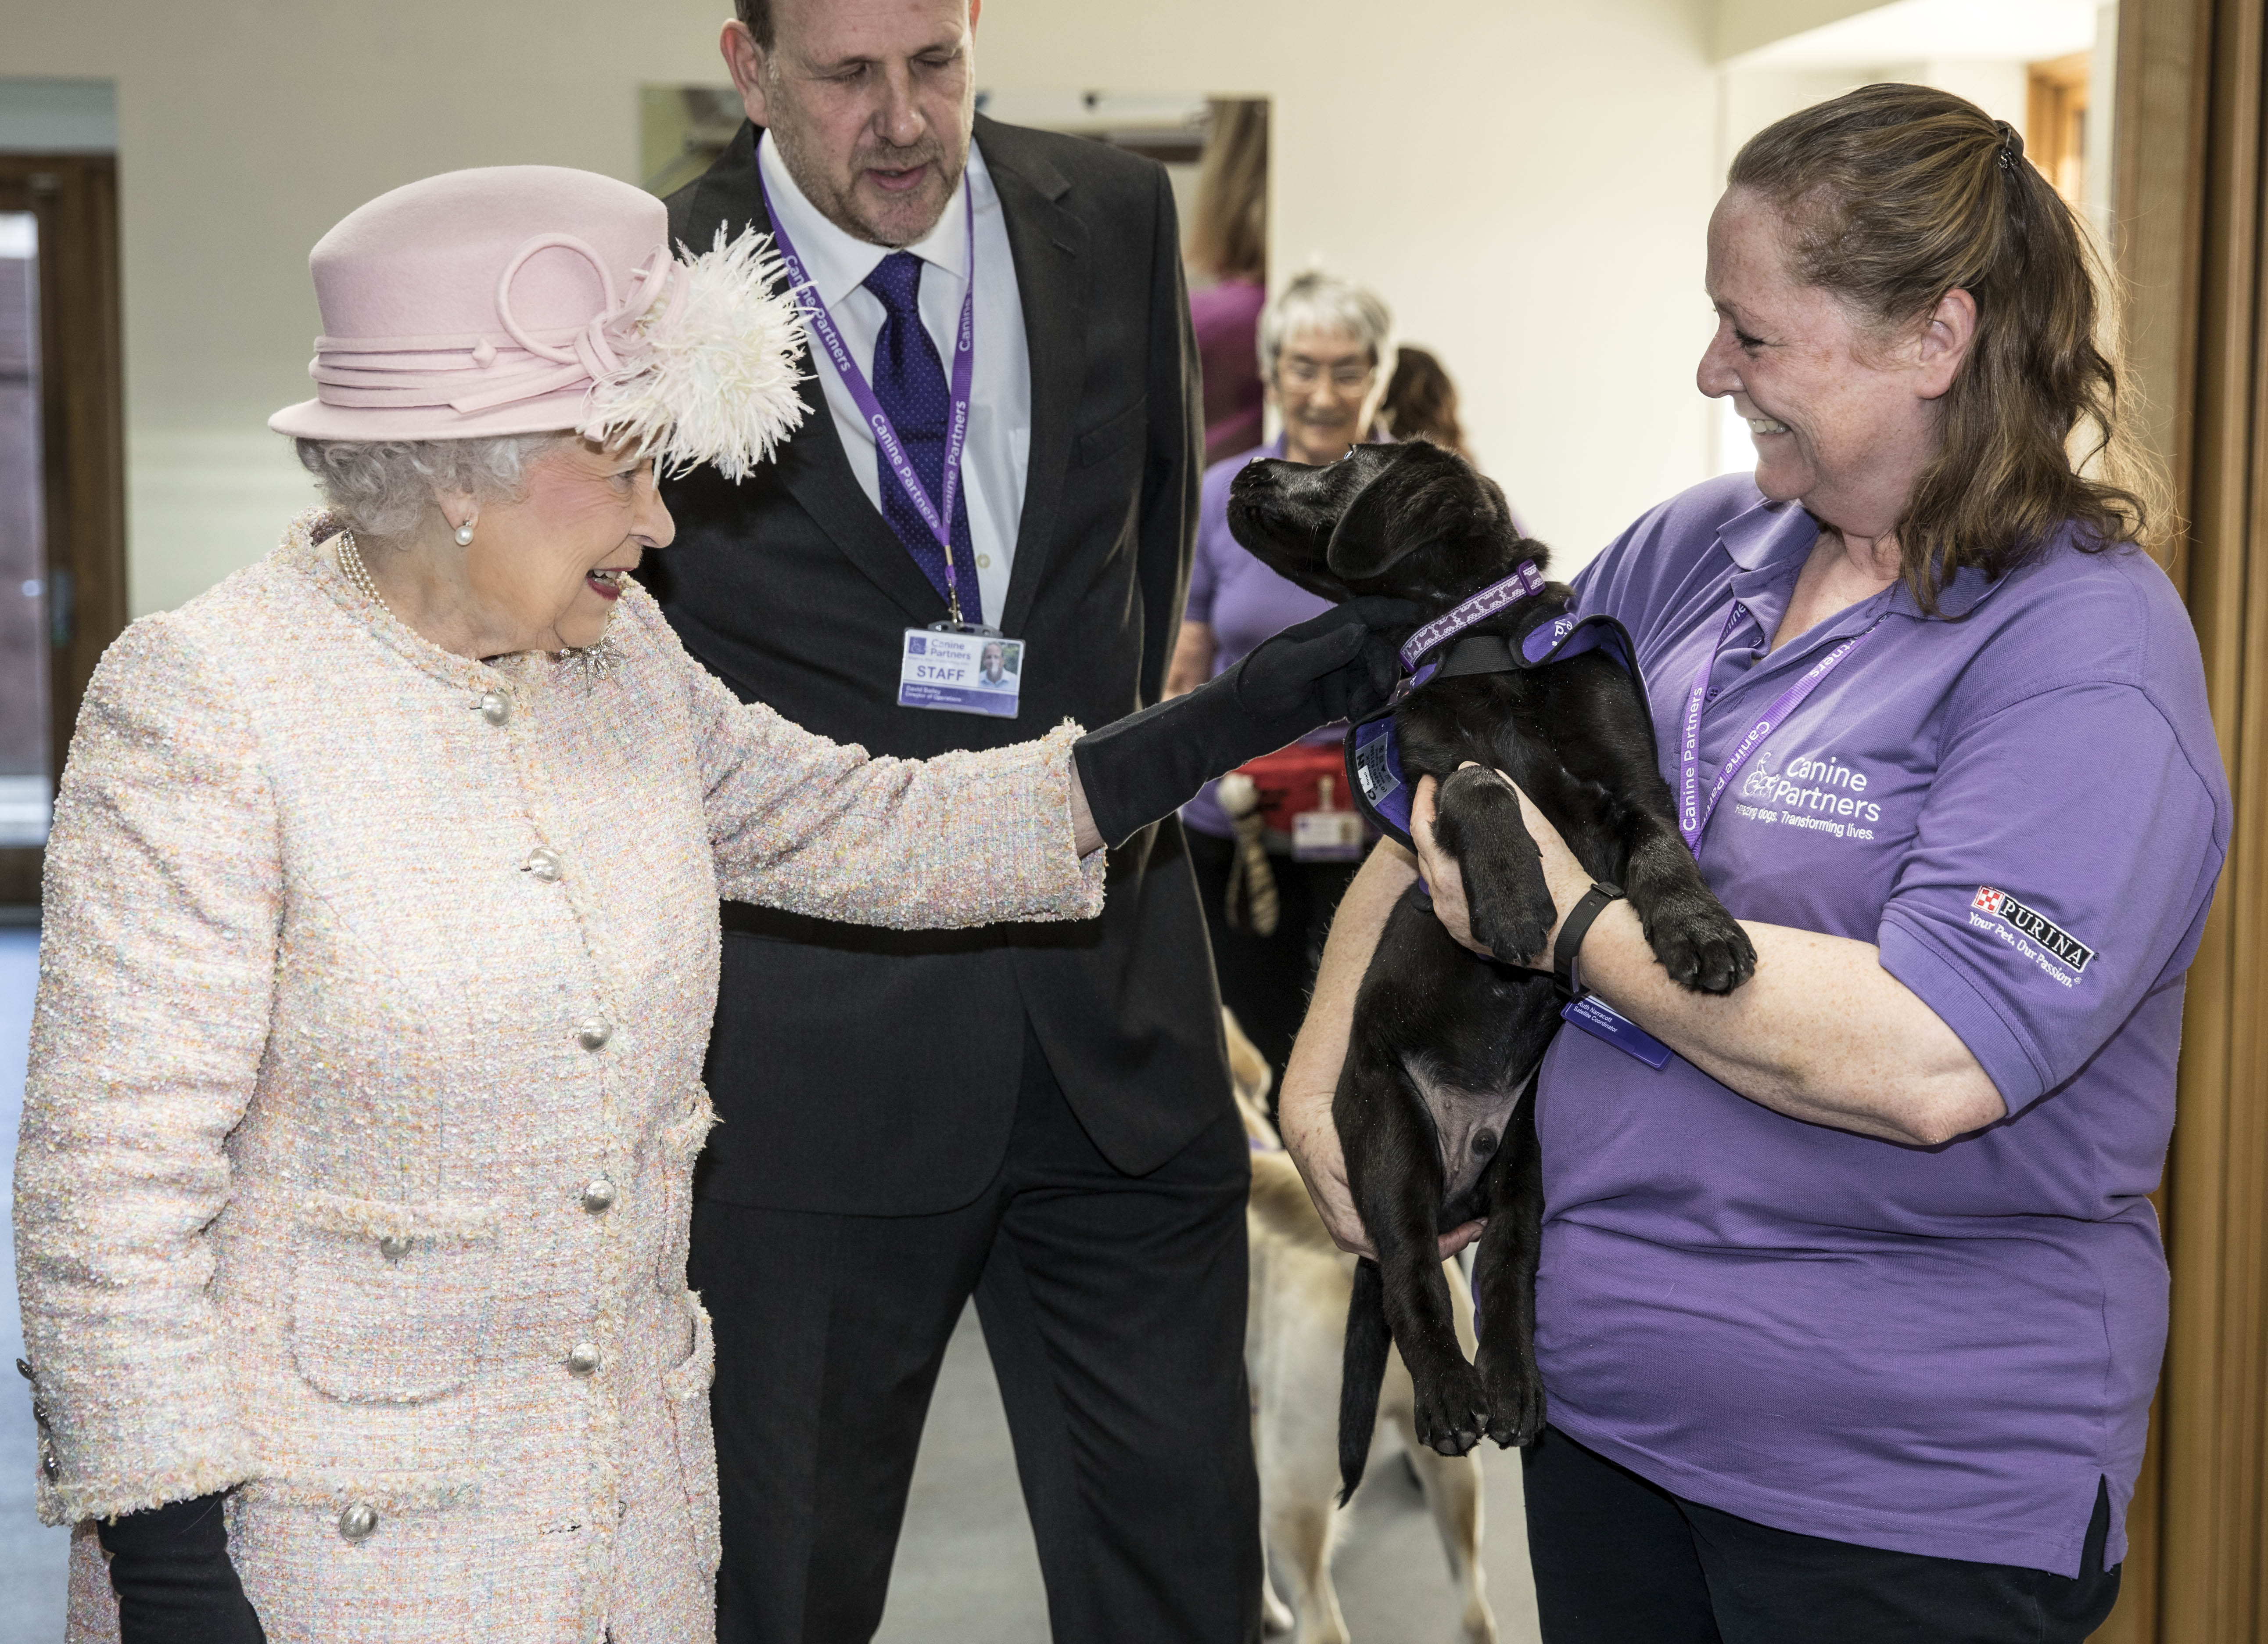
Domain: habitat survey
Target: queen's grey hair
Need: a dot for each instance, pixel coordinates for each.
(1317, 301)
(386, 488)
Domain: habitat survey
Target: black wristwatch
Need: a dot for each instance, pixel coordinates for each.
(1575, 927)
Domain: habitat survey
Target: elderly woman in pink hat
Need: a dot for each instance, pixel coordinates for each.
(381, 941)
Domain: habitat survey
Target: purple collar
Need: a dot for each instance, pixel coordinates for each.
(1525, 583)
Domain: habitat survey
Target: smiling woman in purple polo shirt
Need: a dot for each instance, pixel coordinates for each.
(1850, 1316)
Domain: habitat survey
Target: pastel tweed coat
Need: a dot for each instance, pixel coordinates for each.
(365, 1091)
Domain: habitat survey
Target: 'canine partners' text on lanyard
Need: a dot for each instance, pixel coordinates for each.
(1694, 812)
(930, 672)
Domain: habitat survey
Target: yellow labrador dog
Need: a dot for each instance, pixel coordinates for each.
(1294, 1339)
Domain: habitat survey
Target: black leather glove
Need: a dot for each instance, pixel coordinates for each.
(170, 1568)
(1341, 665)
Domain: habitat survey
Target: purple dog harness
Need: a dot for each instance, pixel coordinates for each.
(1381, 789)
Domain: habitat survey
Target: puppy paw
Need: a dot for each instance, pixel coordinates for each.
(1506, 900)
(1701, 946)
(1514, 1389)
(1452, 1411)
(1503, 922)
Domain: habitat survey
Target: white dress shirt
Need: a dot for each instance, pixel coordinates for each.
(999, 448)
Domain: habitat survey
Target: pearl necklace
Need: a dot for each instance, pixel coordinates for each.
(357, 574)
(593, 662)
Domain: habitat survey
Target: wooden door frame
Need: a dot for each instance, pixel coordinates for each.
(75, 199)
(2191, 140)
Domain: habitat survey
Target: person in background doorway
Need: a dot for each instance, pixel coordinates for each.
(1228, 245)
(1325, 350)
(1421, 402)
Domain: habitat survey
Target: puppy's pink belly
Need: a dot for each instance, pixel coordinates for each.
(1471, 1126)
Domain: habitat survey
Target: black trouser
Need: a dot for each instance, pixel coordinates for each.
(1113, 1307)
(1267, 980)
(1619, 1559)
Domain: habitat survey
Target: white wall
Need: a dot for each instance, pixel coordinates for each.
(57, 117)
(2001, 89)
(1526, 182)
(1747, 24)
(2102, 100)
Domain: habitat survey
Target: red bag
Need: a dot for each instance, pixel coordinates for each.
(1291, 780)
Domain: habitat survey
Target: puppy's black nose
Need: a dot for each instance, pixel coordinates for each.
(1483, 1143)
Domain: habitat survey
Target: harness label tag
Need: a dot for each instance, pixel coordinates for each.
(1373, 769)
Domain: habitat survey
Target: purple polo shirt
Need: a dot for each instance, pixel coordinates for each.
(1226, 319)
(1938, 1350)
(1244, 601)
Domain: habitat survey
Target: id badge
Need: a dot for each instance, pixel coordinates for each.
(960, 671)
(1325, 835)
(1596, 1018)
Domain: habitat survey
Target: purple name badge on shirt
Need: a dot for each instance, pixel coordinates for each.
(1595, 1018)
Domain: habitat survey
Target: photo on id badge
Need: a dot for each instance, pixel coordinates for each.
(960, 672)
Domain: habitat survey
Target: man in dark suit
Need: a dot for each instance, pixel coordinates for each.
(1038, 1115)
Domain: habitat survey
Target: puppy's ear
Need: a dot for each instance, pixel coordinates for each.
(1500, 518)
(1423, 495)
(1499, 508)
(1313, 577)
(1363, 543)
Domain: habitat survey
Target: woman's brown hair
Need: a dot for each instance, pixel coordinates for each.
(1894, 195)
(1228, 229)
(1421, 402)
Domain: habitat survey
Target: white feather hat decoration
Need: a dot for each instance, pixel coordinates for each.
(715, 381)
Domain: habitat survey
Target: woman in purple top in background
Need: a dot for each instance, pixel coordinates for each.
(1849, 1315)
(1228, 244)
(1326, 352)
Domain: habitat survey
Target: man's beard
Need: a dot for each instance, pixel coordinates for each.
(844, 206)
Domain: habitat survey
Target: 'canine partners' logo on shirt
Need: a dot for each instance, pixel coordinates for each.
(2052, 938)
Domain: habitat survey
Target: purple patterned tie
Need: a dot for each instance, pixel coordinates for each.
(909, 381)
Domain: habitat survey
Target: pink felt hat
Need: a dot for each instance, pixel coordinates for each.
(520, 299)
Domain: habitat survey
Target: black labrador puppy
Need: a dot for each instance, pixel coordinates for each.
(1431, 1107)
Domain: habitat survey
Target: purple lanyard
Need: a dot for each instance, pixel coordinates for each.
(936, 515)
(1692, 813)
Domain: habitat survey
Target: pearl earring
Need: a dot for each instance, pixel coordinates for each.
(465, 535)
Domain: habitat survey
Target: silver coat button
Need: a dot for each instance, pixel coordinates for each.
(593, 1034)
(598, 1196)
(544, 864)
(582, 1359)
(358, 1521)
(495, 707)
(393, 1247)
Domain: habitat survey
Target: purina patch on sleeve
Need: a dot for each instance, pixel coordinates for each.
(2026, 925)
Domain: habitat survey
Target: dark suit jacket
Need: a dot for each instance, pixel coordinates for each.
(875, 1073)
